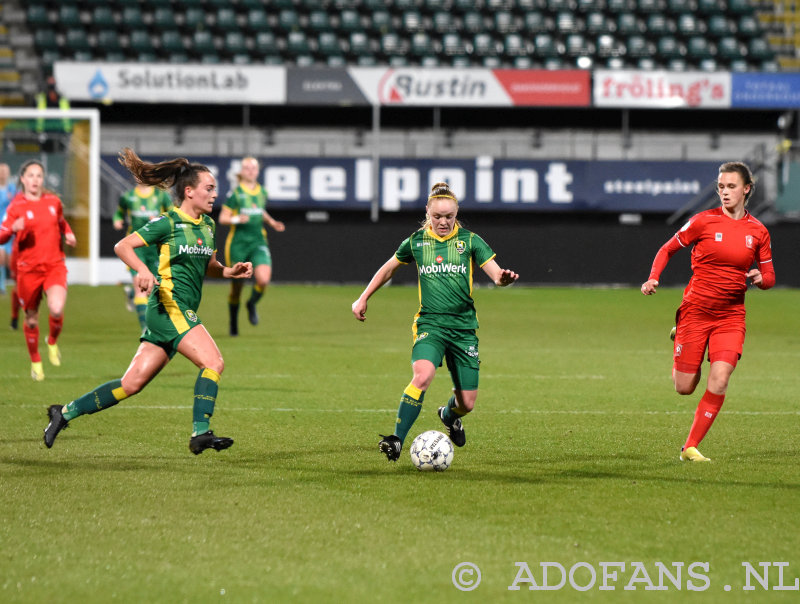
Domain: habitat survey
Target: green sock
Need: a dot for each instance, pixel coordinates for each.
(407, 412)
(102, 397)
(141, 309)
(255, 295)
(205, 395)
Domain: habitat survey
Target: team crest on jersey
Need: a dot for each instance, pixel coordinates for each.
(52, 210)
(461, 246)
(717, 236)
(29, 214)
(748, 241)
(190, 314)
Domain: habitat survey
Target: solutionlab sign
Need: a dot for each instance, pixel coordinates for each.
(166, 83)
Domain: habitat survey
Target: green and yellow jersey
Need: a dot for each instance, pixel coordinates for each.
(445, 266)
(140, 209)
(185, 247)
(247, 202)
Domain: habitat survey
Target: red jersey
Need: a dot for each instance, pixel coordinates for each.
(724, 251)
(39, 241)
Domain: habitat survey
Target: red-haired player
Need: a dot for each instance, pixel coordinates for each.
(36, 218)
(727, 242)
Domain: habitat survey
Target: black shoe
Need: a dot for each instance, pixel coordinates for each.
(14, 323)
(56, 425)
(454, 430)
(233, 316)
(252, 315)
(390, 446)
(207, 440)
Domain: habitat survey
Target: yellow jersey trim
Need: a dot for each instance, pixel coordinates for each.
(452, 234)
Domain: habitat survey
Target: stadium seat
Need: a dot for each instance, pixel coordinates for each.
(720, 25)
(139, 41)
(658, 24)
(412, 21)
(628, 23)
(108, 40)
(741, 7)
(289, 20)
(203, 42)
(393, 45)
(567, 22)
(69, 15)
(328, 44)
(37, 15)
(608, 46)
(730, 48)
(382, 22)
(668, 47)
(349, 21)
(688, 25)
(336, 61)
(194, 18)
(677, 64)
(297, 44)
(172, 41)
(266, 44)
(523, 62)
(505, 22)
(444, 21)
(430, 61)
(164, 18)
(178, 57)
(555, 6)
(711, 7)
(483, 45)
(235, 43)
(75, 39)
(422, 46)
(131, 17)
(366, 61)
(545, 46)
(698, 47)
(578, 46)
(759, 49)
(473, 22)
(279, 4)
(319, 21)
(453, 45)
(360, 45)
(638, 46)
(598, 23)
(739, 65)
(620, 6)
(679, 7)
(103, 16)
(537, 22)
(225, 20)
(646, 63)
(588, 6)
(257, 20)
(514, 45)
(248, 5)
(650, 6)
(748, 26)
(45, 39)
(708, 64)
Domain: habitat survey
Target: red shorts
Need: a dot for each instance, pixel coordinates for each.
(32, 284)
(720, 331)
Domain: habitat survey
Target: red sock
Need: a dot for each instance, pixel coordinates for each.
(32, 340)
(14, 304)
(55, 329)
(706, 412)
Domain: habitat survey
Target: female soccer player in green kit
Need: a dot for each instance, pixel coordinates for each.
(445, 324)
(184, 238)
(245, 210)
(139, 206)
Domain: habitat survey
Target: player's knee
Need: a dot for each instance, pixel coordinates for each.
(217, 365)
(685, 388)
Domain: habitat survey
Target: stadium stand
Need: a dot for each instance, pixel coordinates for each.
(651, 34)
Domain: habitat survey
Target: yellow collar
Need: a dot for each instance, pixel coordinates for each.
(449, 236)
(189, 218)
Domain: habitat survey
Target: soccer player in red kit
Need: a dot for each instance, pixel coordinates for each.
(36, 218)
(727, 242)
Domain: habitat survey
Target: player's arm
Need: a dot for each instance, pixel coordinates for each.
(763, 277)
(379, 279)
(11, 225)
(500, 276)
(274, 224)
(118, 221)
(240, 270)
(124, 249)
(666, 252)
(66, 230)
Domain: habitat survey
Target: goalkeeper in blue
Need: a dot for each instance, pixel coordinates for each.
(445, 325)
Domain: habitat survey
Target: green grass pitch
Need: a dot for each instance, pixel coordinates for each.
(571, 459)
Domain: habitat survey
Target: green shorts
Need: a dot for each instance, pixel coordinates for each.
(256, 252)
(166, 327)
(459, 347)
(148, 255)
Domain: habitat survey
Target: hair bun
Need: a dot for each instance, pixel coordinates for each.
(440, 185)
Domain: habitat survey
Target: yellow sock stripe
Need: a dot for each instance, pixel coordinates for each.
(119, 393)
(413, 392)
(259, 289)
(210, 374)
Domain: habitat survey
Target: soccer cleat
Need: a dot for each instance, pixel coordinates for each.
(208, 440)
(56, 425)
(454, 430)
(672, 333)
(692, 454)
(390, 446)
(54, 354)
(14, 323)
(37, 371)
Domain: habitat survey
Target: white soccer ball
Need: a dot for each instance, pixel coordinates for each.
(432, 450)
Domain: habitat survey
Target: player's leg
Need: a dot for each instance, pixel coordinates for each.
(29, 288)
(426, 356)
(262, 273)
(233, 306)
(145, 365)
(3, 270)
(199, 347)
(56, 292)
(463, 363)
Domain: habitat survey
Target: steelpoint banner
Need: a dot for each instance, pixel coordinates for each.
(482, 184)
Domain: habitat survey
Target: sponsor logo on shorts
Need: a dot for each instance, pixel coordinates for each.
(421, 336)
(472, 352)
(191, 316)
(678, 350)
